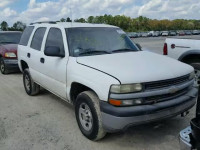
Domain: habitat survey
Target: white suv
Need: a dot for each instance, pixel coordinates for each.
(98, 69)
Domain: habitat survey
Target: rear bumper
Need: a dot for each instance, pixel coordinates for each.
(11, 64)
(120, 118)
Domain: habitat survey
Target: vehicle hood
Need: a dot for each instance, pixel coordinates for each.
(10, 47)
(137, 67)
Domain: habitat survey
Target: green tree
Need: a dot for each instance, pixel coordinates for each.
(141, 23)
(196, 24)
(90, 19)
(68, 19)
(178, 24)
(4, 26)
(19, 26)
(62, 20)
(82, 20)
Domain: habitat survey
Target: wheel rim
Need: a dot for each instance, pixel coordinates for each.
(2, 67)
(85, 117)
(197, 76)
(27, 83)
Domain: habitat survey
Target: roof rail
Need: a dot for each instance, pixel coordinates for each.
(50, 22)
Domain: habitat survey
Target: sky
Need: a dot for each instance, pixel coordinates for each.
(29, 11)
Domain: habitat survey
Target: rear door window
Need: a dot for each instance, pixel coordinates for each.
(26, 35)
(38, 38)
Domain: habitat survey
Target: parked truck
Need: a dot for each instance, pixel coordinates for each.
(187, 51)
(184, 50)
(111, 83)
(8, 51)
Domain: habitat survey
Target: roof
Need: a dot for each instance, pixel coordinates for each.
(69, 24)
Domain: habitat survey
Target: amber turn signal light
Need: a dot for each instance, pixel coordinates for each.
(115, 102)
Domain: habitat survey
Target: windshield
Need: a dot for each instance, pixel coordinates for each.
(10, 38)
(97, 41)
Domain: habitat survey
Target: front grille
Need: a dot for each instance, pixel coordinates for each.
(165, 97)
(166, 83)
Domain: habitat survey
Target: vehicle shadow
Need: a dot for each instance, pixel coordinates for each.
(45, 92)
(151, 135)
(11, 73)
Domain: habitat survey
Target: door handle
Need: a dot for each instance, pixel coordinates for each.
(42, 60)
(28, 55)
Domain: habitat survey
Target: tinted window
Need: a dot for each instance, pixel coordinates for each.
(10, 38)
(26, 35)
(37, 38)
(98, 41)
(55, 38)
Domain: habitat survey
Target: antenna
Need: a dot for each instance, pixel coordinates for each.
(71, 12)
(71, 15)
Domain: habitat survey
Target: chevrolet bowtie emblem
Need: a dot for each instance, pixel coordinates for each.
(173, 90)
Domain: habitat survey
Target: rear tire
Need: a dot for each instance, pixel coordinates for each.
(30, 86)
(3, 67)
(88, 116)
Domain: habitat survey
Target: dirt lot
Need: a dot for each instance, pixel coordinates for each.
(46, 122)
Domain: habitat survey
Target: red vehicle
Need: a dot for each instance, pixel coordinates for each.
(9, 41)
(181, 33)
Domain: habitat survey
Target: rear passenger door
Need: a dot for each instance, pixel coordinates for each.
(23, 47)
(35, 54)
(53, 73)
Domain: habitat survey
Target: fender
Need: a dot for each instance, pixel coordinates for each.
(190, 52)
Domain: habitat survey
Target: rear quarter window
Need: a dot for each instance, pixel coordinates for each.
(26, 35)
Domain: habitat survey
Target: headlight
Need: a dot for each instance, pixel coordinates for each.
(192, 75)
(10, 55)
(126, 88)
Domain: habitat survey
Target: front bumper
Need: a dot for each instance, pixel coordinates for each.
(120, 118)
(11, 64)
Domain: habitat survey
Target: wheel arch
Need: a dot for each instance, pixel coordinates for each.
(192, 55)
(23, 65)
(77, 88)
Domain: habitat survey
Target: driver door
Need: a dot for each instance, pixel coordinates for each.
(53, 74)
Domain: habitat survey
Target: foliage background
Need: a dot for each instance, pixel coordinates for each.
(128, 24)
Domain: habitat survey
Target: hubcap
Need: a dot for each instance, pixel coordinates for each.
(2, 67)
(85, 117)
(27, 83)
(197, 76)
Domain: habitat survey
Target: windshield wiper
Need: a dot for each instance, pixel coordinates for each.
(123, 50)
(8, 43)
(94, 52)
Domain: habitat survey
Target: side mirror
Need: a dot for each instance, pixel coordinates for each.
(139, 46)
(53, 51)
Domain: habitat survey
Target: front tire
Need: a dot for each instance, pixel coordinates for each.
(88, 115)
(196, 66)
(30, 86)
(3, 67)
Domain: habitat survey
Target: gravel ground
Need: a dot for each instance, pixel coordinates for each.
(45, 122)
